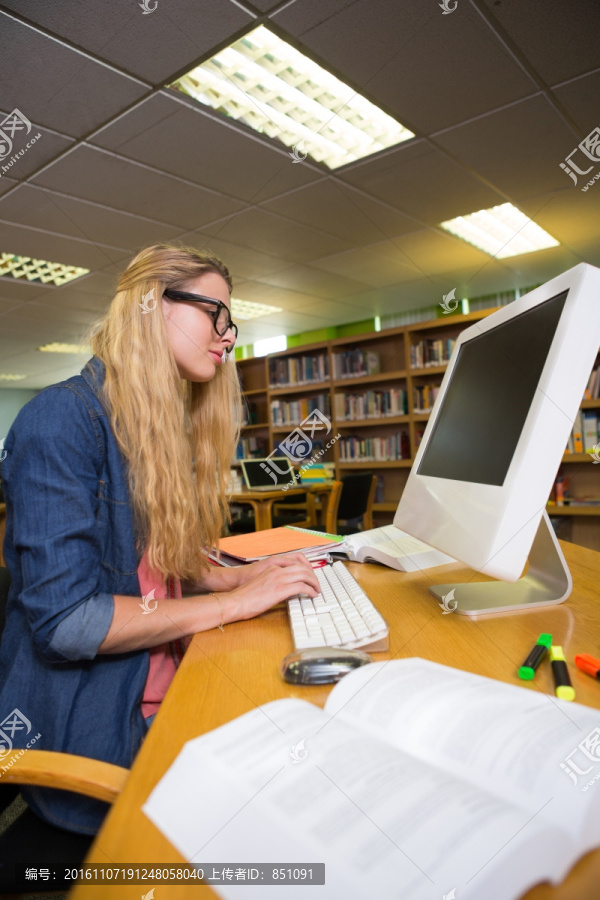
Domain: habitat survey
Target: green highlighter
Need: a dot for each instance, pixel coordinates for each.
(543, 644)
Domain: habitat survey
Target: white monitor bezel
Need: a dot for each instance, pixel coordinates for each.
(488, 527)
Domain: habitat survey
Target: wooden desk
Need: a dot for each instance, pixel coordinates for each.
(226, 674)
(262, 501)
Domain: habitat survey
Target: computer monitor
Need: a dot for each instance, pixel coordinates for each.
(494, 441)
(266, 475)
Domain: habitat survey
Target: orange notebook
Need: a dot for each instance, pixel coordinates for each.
(258, 544)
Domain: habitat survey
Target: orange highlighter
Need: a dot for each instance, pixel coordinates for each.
(588, 664)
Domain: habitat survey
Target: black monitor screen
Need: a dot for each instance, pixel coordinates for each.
(489, 395)
(270, 475)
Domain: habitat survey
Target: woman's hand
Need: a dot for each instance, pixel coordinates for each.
(267, 583)
(247, 573)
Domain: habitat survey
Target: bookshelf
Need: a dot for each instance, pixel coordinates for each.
(377, 389)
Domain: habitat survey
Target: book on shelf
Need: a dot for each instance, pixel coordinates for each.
(354, 448)
(590, 431)
(371, 404)
(592, 391)
(250, 448)
(293, 412)
(424, 396)
(417, 780)
(289, 370)
(356, 362)
(429, 352)
(560, 491)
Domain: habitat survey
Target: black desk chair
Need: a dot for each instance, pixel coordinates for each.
(356, 502)
(26, 838)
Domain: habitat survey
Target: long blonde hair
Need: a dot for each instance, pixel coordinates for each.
(164, 424)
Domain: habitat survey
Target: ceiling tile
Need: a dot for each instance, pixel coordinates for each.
(422, 182)
(94, 175)
(427, 70)
(33, 206)
(518, 149)
(580, 99)
(267, 233)
(20, 160)
(57, 86)
(152, 46)
(18, 289)
(313, 281)
(54, 248)
(559, 40)
(248, 166)
(568, 215)
(243, 263)
(343, 211)
(432, 252)
(370, 267)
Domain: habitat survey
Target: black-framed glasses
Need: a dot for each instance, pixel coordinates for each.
(220, 315)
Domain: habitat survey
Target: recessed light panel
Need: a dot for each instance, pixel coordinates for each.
(500, 231)
(266, 83)
(29, 269)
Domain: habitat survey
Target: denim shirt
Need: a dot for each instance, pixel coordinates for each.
(69, 547)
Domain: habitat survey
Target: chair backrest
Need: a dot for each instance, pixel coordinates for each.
(357, 496)
(4, 587)
(333, 502)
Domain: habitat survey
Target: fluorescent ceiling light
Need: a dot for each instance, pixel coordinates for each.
(269, 85)
(245, 309)
(38, 270)
(65, 348)
(5, 377)
(270, 345)
(500, 231)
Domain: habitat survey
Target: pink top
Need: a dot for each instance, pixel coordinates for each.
(164, 658)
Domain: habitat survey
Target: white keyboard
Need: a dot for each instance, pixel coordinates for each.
(340, 616)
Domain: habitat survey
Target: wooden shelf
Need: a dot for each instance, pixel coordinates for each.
(362, 423)
(299, 388)
(393, 346)
(554, 510)
(254, 392)
(387, 464)
(429, 370)
(369, 379)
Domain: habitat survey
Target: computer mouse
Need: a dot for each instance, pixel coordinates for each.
(321, 665)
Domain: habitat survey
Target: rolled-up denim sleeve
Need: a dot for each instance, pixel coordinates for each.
(51, 472)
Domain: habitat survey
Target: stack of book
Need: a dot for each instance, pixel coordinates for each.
(431, 353)
(424, 397)
(374, 449)
(371, 405)
(293, 412)
(289, 370)
(352, 363)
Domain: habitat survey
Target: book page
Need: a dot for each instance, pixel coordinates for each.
(524, 745)
(284, 784)
(412, 553)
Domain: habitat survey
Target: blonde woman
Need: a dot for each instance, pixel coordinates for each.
(115, 486)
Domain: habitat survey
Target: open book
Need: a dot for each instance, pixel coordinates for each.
(416, 780)
(392, 547)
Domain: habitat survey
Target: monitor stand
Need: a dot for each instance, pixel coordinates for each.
(547, 582)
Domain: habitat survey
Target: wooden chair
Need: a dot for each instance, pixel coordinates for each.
(333, 502)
